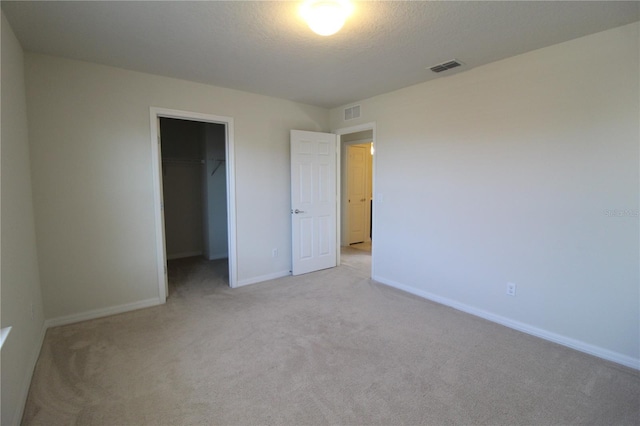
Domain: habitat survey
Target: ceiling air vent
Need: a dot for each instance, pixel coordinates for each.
(446, 66)
(352, 112)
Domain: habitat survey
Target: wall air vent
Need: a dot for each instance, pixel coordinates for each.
(446, 66)
(352, 112)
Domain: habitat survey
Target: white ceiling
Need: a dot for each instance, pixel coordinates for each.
(264, 47)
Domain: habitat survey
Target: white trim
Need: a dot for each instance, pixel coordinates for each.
(156, 161)
(231, 204)
(102, 312)
(155, 114)
(358, 142)
(516, 325)
(343, 131)
(4, 333)
(183, 255)
(263, 278)
(358, 128)
(26, 383)
(338, 198)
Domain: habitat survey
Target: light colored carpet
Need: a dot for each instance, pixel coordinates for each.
(331, 347)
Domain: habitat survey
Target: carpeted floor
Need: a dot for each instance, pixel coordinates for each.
(331, 347)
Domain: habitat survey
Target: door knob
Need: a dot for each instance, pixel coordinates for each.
(296, 211)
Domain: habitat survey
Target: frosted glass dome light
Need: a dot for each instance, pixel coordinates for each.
(325, 17)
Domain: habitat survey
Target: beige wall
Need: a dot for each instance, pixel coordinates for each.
(525, 171)
(92, 178)
(21, 306)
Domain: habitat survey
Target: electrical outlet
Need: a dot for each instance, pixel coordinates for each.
(274, 252)
(511, 289)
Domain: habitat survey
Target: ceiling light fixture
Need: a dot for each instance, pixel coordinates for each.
(325, 17)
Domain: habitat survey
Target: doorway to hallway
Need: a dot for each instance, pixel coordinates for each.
(357, 189)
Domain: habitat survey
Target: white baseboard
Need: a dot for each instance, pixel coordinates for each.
(26, 383)
(262, 278)
(516, 325)
(182, 255)
(103, 312)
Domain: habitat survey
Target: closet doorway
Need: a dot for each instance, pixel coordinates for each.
(194, 187)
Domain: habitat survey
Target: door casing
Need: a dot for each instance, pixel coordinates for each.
(345, 131)
(156, 155)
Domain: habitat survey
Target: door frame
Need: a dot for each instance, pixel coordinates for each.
(344, 131)
(156, 155)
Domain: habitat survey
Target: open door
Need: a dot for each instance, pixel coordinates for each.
(313, 201)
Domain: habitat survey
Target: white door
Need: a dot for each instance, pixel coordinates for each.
(357, 193)
(313, 201)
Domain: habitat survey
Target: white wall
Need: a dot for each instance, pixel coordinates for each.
(517, 171)
(92, 178)
(19, 263)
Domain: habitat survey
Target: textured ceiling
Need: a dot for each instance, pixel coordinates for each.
(264, 47)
